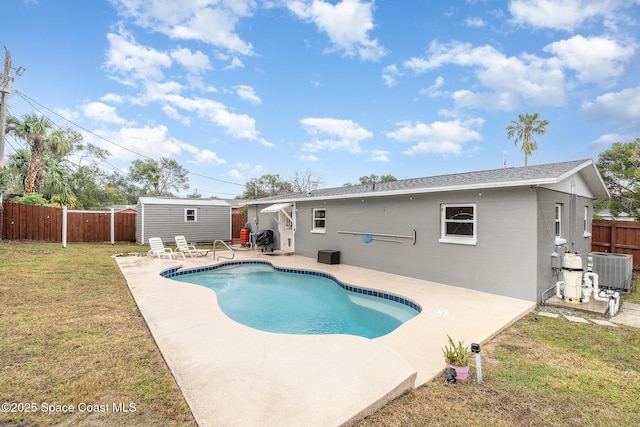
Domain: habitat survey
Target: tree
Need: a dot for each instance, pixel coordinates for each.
(158, 178)
(304, 182)
(373, 179)
(620, 170)
(266, 186)
(524, 129)
(40, 136)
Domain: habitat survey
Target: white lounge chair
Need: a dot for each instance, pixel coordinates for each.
(158, 249)
(186, 249)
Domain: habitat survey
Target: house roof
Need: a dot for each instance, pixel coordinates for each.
(178, 201)
(538, 175)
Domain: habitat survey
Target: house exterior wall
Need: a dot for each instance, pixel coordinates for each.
(167, 221)
(572, 220)
(502, 262)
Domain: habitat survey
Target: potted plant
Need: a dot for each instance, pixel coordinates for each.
(457, 357)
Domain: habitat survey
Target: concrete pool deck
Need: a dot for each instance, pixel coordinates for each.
(233, 375)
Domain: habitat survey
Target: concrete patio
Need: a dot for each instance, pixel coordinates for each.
(233, 375)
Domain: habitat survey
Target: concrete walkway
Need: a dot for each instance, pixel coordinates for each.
(233, 375)
(628, 315)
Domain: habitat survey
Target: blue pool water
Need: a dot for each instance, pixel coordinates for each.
(259, 296)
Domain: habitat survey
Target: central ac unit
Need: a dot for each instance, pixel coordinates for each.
(615, 271)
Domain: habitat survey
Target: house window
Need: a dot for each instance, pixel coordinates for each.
(190, 215)
(319, 221)
(288, 223)
(458, 224)
(558, 219)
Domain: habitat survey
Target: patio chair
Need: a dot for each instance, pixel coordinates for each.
(185, 249)
(158, 249)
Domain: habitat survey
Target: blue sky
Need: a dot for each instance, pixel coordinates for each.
(235, 89)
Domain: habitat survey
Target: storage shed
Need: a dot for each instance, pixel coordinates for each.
(200, 221)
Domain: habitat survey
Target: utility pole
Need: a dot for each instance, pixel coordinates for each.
(5, 89)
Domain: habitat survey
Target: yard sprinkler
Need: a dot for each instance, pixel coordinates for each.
(475, 348)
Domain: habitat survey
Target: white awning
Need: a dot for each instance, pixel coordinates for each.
(276, 207)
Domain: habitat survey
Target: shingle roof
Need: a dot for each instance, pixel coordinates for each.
(505, 177)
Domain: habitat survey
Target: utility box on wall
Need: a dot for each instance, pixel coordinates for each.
(615, 271)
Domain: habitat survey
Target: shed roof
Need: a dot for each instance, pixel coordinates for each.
(547, 174)
(178, 201)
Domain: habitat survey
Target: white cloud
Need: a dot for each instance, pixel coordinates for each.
(595, 59)
(131, 61)
(209, 157)
(561, 14)
(474, 22)
(378, 156)
(437, 137)
(510, 80)
(195, 62)
(434, 91)
(248, 94)
(608, 139)
(347, 23)
(150, 141)
(621, 108)
(389, 74)
(101, 112)
(308, 158)
(345, 135)
(206, 21)
(113, 98)
(233, 173)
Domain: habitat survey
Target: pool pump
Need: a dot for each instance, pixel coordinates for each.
(577, 286)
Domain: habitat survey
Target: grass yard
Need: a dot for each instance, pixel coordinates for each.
(71, 334)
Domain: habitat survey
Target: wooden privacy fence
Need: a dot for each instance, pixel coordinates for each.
(45, 223)
(620, 237)
(29, 222)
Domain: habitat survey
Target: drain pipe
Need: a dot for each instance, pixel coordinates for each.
(558, 291)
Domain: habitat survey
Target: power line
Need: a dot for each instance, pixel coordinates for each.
(30, 100)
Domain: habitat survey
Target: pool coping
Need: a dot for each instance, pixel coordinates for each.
(234, 375)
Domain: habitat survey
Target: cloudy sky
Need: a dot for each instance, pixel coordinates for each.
(235, 89)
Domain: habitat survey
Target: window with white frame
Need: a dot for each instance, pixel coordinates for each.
(319, 221)
(190, 215)
(558, 219)
(288, 223)
(459, 224)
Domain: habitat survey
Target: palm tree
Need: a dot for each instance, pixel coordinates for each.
(40, 136)
(523, 129)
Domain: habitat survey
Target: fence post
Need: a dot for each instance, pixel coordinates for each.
(64, 226)
(113, 225)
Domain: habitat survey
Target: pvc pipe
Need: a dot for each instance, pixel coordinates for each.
(558, 292)
(596, 289)
(613, 299)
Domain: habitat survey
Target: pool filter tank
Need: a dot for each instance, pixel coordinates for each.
(572, 276)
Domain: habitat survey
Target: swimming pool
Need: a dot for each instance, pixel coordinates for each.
(289, 301)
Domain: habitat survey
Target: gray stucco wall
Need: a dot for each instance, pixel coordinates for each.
(572, 230)
(512, 257)
(167, 221)
(502, 262)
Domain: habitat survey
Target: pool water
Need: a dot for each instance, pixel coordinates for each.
(259, 296)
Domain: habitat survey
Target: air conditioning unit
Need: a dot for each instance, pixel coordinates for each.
(615, 271)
